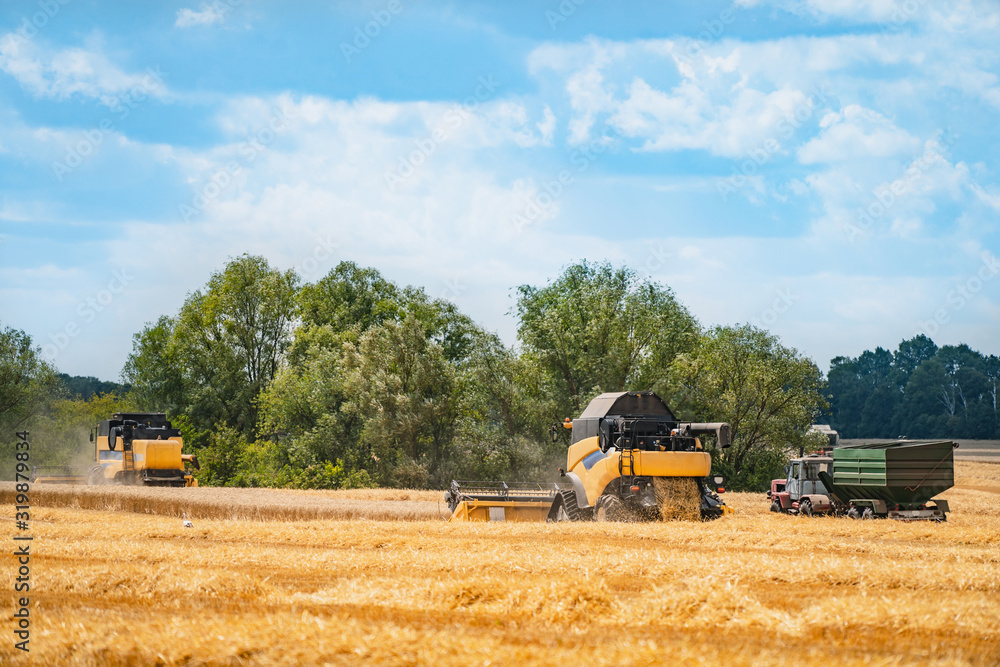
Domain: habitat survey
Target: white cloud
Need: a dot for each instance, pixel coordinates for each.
(323, 174)
(208, 15)
(63, 73)
(547, 126)
(689, 117)
(857, 134)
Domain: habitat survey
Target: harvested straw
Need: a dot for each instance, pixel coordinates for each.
(678, 497)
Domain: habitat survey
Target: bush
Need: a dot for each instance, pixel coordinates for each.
(329, 476)
(409, 474)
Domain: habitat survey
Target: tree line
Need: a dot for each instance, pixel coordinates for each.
(356, 381)
(918, 391)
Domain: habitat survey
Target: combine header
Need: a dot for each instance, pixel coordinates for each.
(502, 501)
(629, 459)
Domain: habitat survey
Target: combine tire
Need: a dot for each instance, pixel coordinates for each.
(806, 507)
(96, 476)
(609, 508)
(564, 507)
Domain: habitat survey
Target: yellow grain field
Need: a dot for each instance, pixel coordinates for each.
(125, 588)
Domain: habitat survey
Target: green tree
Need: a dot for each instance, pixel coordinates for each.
(911, 353)
(27, 382)
(153, 369)
(402, 385)
(303, 410)
(350, 300)
(222, 350)
(597, 328)
(868, 394)
(506, 414)
(923, 413)
(350, 297)
(767, 392)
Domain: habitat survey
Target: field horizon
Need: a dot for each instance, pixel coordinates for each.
(118, 587)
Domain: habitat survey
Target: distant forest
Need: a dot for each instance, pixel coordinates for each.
(918, 391)
(85, 388)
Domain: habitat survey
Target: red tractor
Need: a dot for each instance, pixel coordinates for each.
(803, 492)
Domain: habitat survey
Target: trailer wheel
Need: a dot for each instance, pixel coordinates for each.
(806, 507)
(776, 506)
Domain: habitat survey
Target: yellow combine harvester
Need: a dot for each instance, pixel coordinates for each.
(629, 459)
(136, 448)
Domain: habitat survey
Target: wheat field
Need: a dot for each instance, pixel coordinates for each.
(116, 587)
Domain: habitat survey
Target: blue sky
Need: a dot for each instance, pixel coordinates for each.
(823, 169)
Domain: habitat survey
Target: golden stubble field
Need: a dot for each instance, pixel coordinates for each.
(124, 588)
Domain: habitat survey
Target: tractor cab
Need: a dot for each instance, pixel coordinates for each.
(802, 484)
(802, 475)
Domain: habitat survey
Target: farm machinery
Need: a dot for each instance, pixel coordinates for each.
(130, 448)
(629, 459)
(895, 480)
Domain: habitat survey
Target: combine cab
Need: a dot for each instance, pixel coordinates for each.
(629, 459)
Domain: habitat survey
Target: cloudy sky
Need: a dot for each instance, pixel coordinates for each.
(825, 169)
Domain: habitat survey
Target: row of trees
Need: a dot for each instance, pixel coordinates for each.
(918, 391)
(355, 381)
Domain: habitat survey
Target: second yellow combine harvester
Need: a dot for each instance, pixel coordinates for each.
(629, 459)
(134, 448)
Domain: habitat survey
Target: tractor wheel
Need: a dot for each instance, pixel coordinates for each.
(868, 513)
(609, 508)
(853, 513)
(806, 507)
(775, 506)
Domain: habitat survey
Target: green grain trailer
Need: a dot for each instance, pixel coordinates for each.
(895, 480)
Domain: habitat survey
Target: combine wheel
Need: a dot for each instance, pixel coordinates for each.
(96, 476)
(775, 506)
(806, 507)
(564, 508)
(609, 508)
